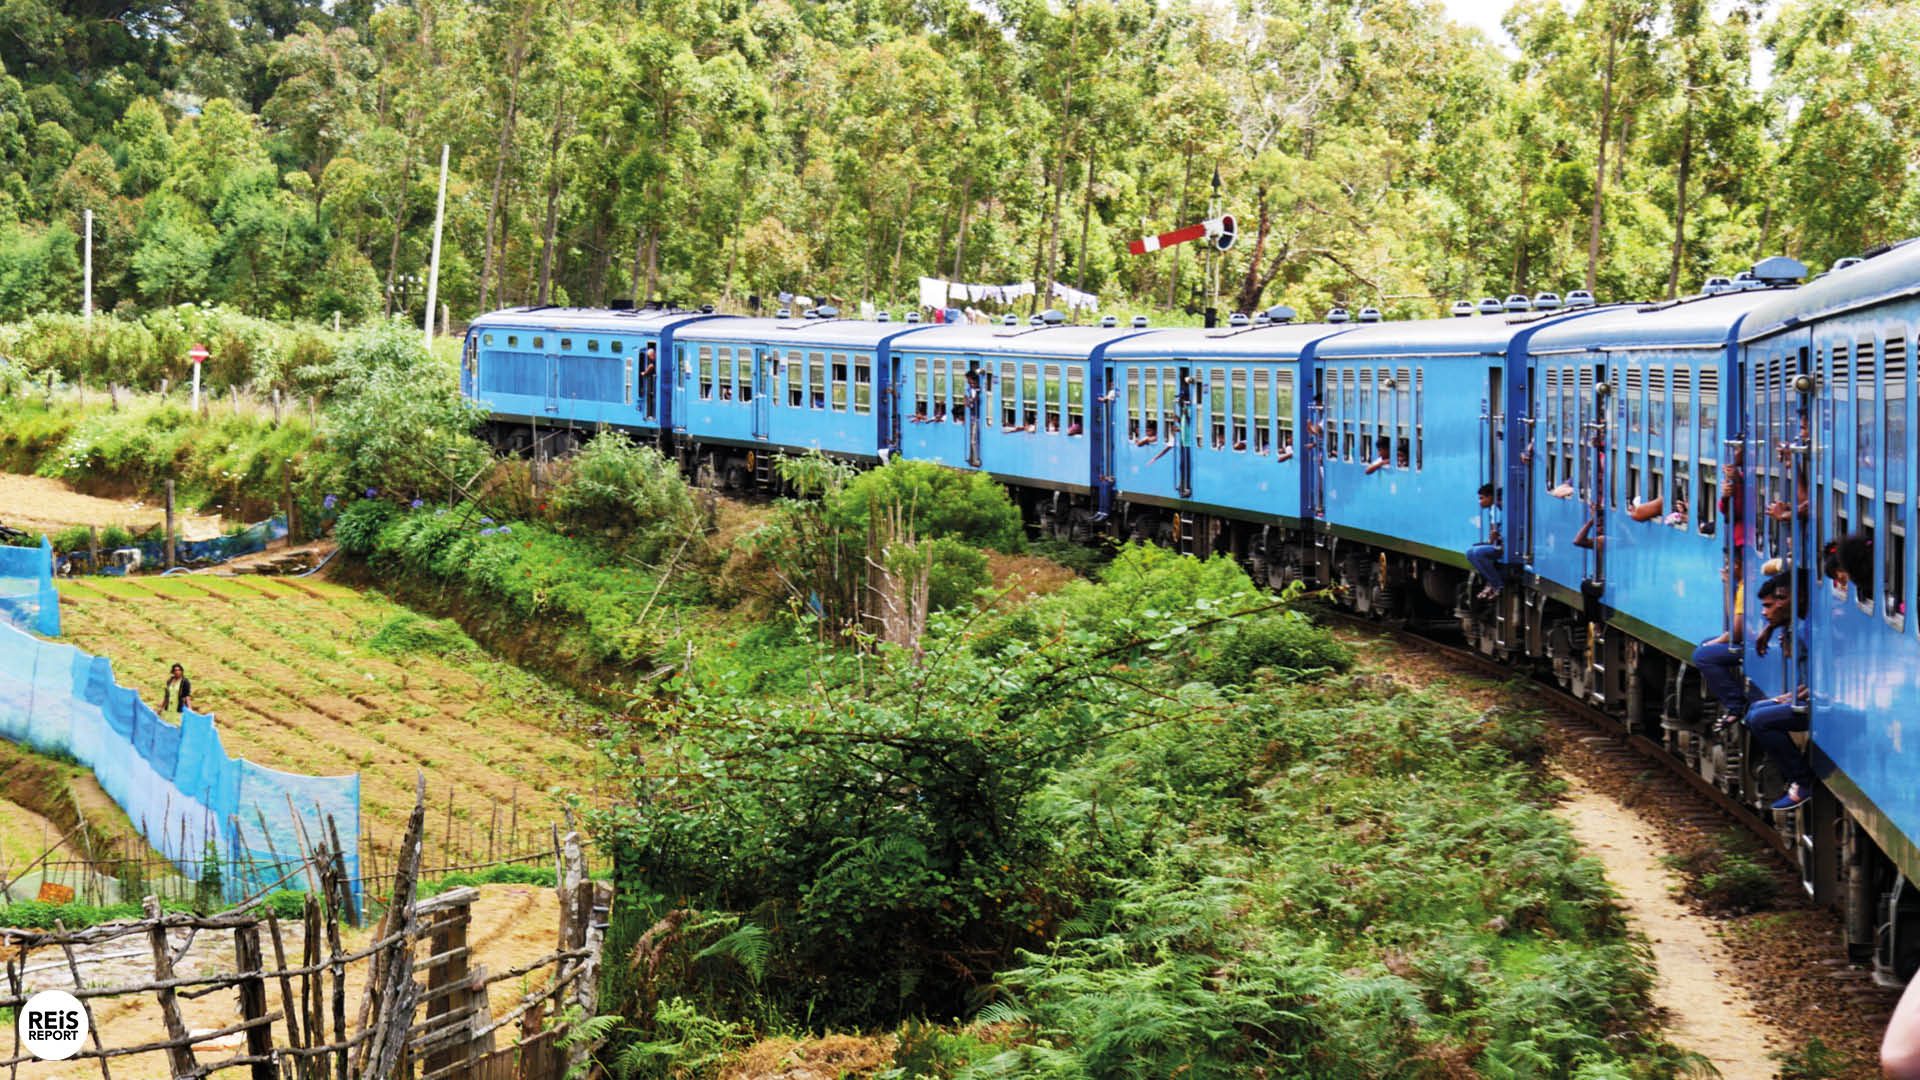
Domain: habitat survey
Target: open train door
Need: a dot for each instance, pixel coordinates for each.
(1313, 464)
(1186, 435)
(1595, 395)
(763, 390)
(1782, 455)
(976, 405)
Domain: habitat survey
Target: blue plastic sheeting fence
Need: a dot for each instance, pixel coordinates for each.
(26, 588)
(177, 784)
(248, 541)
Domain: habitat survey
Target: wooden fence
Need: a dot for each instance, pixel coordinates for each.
(423, 1008)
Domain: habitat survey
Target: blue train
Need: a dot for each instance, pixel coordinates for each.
(1654, 464)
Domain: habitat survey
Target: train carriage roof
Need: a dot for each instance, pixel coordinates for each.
(1481, 335)
(586, 319)
(1693, 323)
(845, 333)
(1282, 342)
(1890, 275)
(1061, 342)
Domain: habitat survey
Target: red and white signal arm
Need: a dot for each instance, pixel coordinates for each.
(1219, 231)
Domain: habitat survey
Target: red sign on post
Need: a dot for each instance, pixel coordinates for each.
(198, 354)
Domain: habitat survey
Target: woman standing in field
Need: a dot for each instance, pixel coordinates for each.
(179, 690)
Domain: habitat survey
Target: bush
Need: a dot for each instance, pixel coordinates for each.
(142, 350)
(1286, 643)
(410, 633)
(938, 502)
(632, 490)
(958, 571)
(396, 422)
(358, 529)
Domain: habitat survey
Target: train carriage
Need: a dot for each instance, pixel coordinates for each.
(1417, 416)
(1631, 424)
(568, 369)
(1212, 424)
(1019, 403)
(743, 389)
(1829, 411)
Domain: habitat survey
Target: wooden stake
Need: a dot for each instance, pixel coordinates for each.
(73, 968)
(180, 1061)
(253, 1001)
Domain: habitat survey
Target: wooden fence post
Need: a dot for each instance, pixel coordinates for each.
(448, 996)
(169, 524)
(253, 1001)
(180, 1061)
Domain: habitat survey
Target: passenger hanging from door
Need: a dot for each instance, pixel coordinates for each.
(647, 380)
(1485, 557)
(1773, 721)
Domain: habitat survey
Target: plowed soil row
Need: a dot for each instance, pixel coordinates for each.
(285, 667)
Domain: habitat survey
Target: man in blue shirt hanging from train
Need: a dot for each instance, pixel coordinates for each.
(1485, 557)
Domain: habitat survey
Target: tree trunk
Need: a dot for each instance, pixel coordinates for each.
(900, 244)
(1186, 189)
(1600, 160)
(1251, 286)
(966, 205)
(1086, 219)
(553, 208)
(399, 226)
(1680, 195)
(639, 265)
(1520, 244)
(1044, 288)
(516, 63)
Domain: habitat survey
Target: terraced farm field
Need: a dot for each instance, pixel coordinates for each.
(313, 677)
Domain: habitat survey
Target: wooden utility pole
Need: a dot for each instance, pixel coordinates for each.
(170, 552)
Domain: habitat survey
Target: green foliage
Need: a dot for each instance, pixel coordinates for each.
(520, 575)
(240, 463)
(1813, 1061)
(358, 527)
(208, 888)
(629, 490)
(956, 571)
(40, 915)
(1285, 642)
(408, 633)
(395, 421)
(139, 351)
(1727, 876)
(938, 502)
(685, 1043)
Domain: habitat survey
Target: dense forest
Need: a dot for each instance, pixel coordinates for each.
(281, 156)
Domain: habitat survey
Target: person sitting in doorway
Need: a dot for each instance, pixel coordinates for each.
(1485, 557)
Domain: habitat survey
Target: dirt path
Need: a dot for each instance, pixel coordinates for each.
(38, 504)
(1707, 1012)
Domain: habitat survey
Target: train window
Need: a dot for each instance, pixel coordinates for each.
(1706, 509)
(617, 346)
(796, 380)
(920, 388)
(862, 383)
(1076, 400)
(1419, 418)
(749, 369)
(566, 344)
(1132, 376)
(1548, 430)
(1239, 409)
(487, 338)
(1680, 504)
(1029, 397)
(1636, 394)
(943, 392)
(1217, 408)
(1893, 567)
(723, 377)
(593, 344)
(1349, 413)
(706, 372)
(1366, 415)
(1262, 410)
(1149, 403)
(513, 341)
(1009, 397)
(539, 342)
(1170, 405)
(1050, 398)
(1283, 407)
(1657, 453)
(1841, 358)
(817, 380)
(837, 382)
